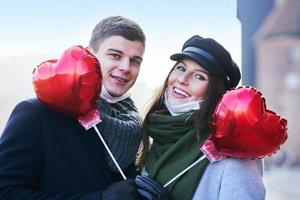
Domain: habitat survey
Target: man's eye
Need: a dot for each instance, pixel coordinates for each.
(115, 56)
(136, 62)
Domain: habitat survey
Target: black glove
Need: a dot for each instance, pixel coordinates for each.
(122, 190)
(149, 189)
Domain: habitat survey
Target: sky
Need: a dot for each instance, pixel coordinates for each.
(34, 31)
(34, 27)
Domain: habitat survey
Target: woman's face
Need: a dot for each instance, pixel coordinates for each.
(187, 82)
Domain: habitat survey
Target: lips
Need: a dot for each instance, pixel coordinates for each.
(119, 80)
(180, 93)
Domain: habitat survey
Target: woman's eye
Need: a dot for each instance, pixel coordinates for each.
(180, 68)
(199, 77)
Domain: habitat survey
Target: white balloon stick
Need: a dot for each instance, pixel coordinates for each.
(109, 152)
(183, 171)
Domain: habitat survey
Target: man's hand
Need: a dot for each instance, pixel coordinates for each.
(123, 190)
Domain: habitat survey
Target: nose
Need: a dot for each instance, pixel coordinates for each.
(183, 79)
(124, 65)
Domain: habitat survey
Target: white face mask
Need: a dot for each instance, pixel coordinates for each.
(105, 95)
(176, 110)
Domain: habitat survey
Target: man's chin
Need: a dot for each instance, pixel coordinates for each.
(116, 92)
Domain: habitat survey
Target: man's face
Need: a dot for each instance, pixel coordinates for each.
(120, 61)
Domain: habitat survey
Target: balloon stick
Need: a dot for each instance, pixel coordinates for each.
(109, 152)
(184, 171)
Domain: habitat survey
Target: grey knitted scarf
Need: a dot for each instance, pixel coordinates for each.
(121, 129)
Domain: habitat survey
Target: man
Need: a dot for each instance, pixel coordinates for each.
(45, 155)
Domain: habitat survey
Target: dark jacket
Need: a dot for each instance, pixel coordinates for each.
(44, 155)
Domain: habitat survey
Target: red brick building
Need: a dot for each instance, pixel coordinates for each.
(277, 53)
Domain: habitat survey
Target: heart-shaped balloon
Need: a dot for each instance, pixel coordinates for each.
(70, 85)
(244, 128)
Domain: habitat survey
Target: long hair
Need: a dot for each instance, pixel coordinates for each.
(156, 103)
(216, 88)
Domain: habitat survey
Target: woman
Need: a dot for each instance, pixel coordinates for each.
(178, 122)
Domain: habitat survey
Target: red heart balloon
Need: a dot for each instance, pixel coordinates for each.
(244, 128)
(70, 85)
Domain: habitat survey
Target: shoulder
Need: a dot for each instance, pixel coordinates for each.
(29, 105)
(34, 106)
(243, 166)
(23, 125)
(234, 179)
(25, 110)
(29, 110)
(235, 170)
(27, 115)
(243, 179)
(24, 113)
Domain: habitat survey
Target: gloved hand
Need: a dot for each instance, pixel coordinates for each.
(122, 190)
(149, 189)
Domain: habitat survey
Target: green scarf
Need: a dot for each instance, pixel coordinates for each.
(175, 148)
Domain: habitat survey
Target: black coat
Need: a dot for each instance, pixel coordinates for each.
(44, 155)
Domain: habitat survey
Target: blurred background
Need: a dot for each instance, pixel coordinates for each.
(263, 37)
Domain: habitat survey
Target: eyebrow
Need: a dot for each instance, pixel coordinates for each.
(118, 51)
(198, 70)
(121, 52)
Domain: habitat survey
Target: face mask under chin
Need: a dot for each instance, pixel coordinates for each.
(176, 110)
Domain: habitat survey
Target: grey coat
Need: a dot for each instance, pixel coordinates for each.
(232, 179)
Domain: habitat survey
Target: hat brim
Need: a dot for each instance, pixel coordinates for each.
(198, 59)
(180, 56)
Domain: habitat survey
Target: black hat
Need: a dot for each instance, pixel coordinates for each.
(213, 57)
